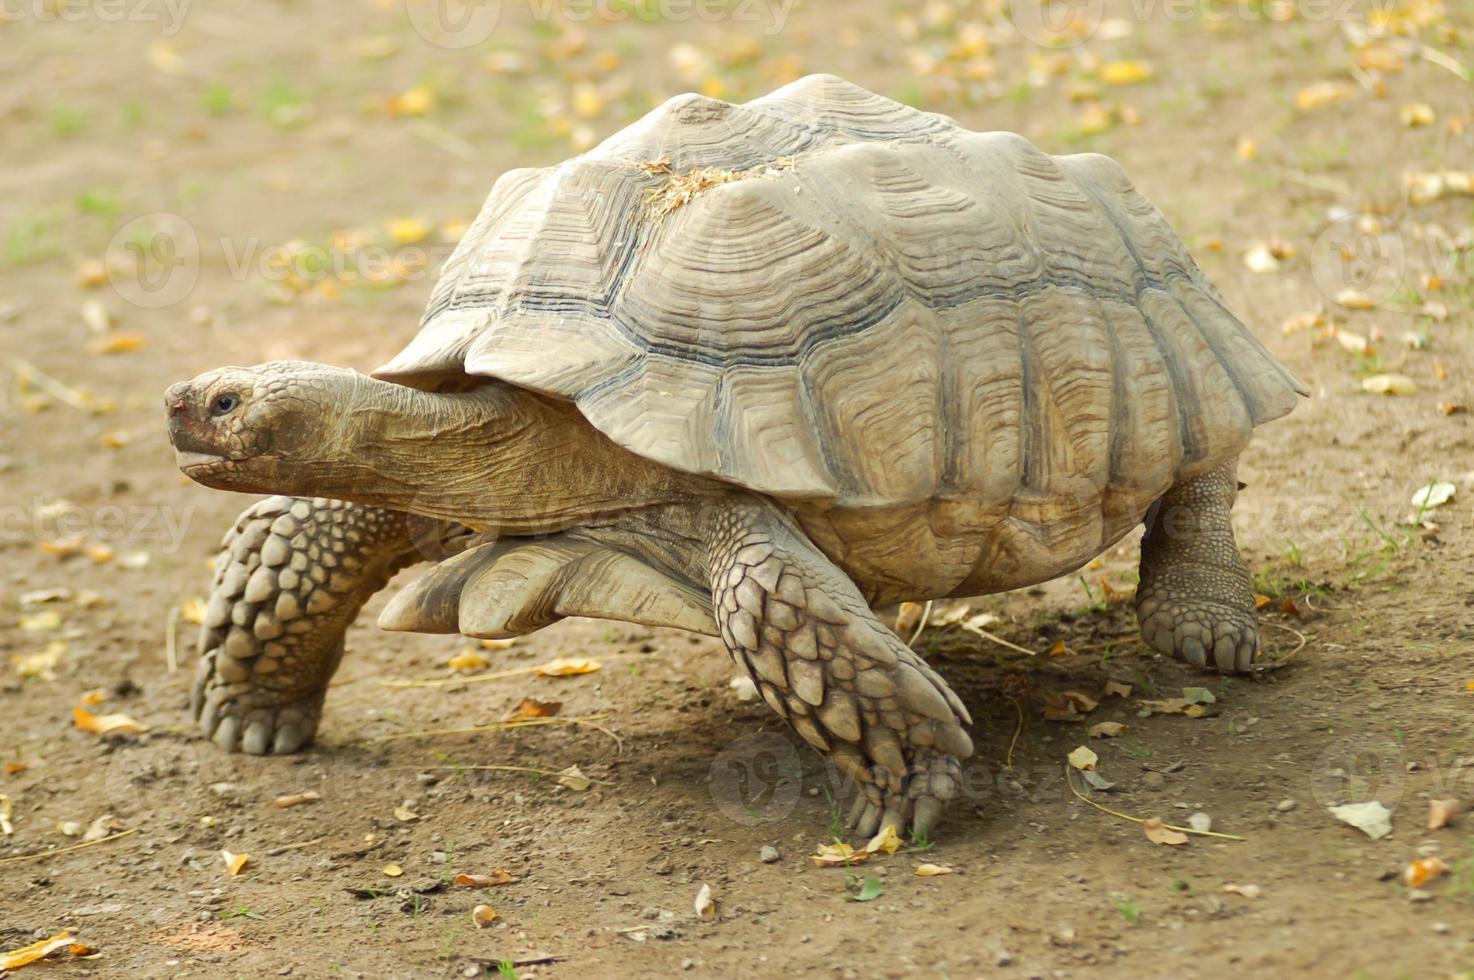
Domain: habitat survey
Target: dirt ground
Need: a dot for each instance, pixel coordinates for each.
(1270, 136)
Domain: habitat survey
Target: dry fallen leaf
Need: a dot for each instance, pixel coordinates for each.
(1435, 494)
(408, 231)
(1117, 688)
(1371, 817)
(1355, 299)
(932, 870)
(567, 667)
(297, 799)
(533, 708)
(234, 863)
(573, 778)
(1389, 384)
(1159, 833)
(1420, 872)
(1125, 72)
(1322, 94)
(38, 622)
(393, 871)
(483, 916)
(705, 907)
(106, 724)
(886, 840)
(839, 854)
(1440, 812)
(497, 876)
(6, 827)
(17, 958)
(103, 826)
(405, 815)
(117, 343)
(1246, 891)
(1261, 259)
(1107, 729)
(1417, 114)
(1082, 758)
(468, 661)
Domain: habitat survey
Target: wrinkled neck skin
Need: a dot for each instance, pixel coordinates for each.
(497, 458)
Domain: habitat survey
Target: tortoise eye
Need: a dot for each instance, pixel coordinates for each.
(224, 404)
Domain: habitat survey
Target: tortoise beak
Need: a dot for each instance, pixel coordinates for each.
(189, 433)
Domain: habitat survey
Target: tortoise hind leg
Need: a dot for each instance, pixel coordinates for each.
(291, 577)
(1196, 598)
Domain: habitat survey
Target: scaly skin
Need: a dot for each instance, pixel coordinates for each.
(1196, 598)
(292, 575)
(847, 685)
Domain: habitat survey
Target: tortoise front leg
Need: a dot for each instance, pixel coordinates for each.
(292, 575)
(1196, 598)
(848, 685)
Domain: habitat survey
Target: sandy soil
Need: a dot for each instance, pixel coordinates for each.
(266, 124)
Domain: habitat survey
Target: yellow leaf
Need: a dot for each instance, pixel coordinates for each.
(1159, 833)
(408, 231)
(587, 102)
(483, 916)
(1379, 57)
(99, 553)
(413, 102)
(836, 855)
(567, 667)
(405, 815)
(393, 870)
(1261, 259)
(1420, 872)
(1322, 94)
(1125, 72)
(1107, 729)
(1059, 649)
(17, 958)
(117, 343)
(192, 610)
(164, 57)
(38, 622)
(105, 724)
(468, 661)
(932, 870)
(115, 438)
(1389, 384)
(1416, 114)
(886, 841)
(234, 863)
(1247, 148)
(1082, 758)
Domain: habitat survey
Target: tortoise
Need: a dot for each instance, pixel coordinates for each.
(752, 371)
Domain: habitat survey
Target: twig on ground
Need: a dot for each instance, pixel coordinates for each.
(64, 850)
(1069, 781)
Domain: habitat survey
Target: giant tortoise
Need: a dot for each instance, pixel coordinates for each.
(753, 370)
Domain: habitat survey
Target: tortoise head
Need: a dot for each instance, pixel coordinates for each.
(260, 429)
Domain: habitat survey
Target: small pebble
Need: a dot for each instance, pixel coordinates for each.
(769, 854)
(1285, 806)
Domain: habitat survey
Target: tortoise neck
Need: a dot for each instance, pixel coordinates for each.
(497, 458)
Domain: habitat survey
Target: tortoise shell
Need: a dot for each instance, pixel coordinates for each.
(830, 297)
